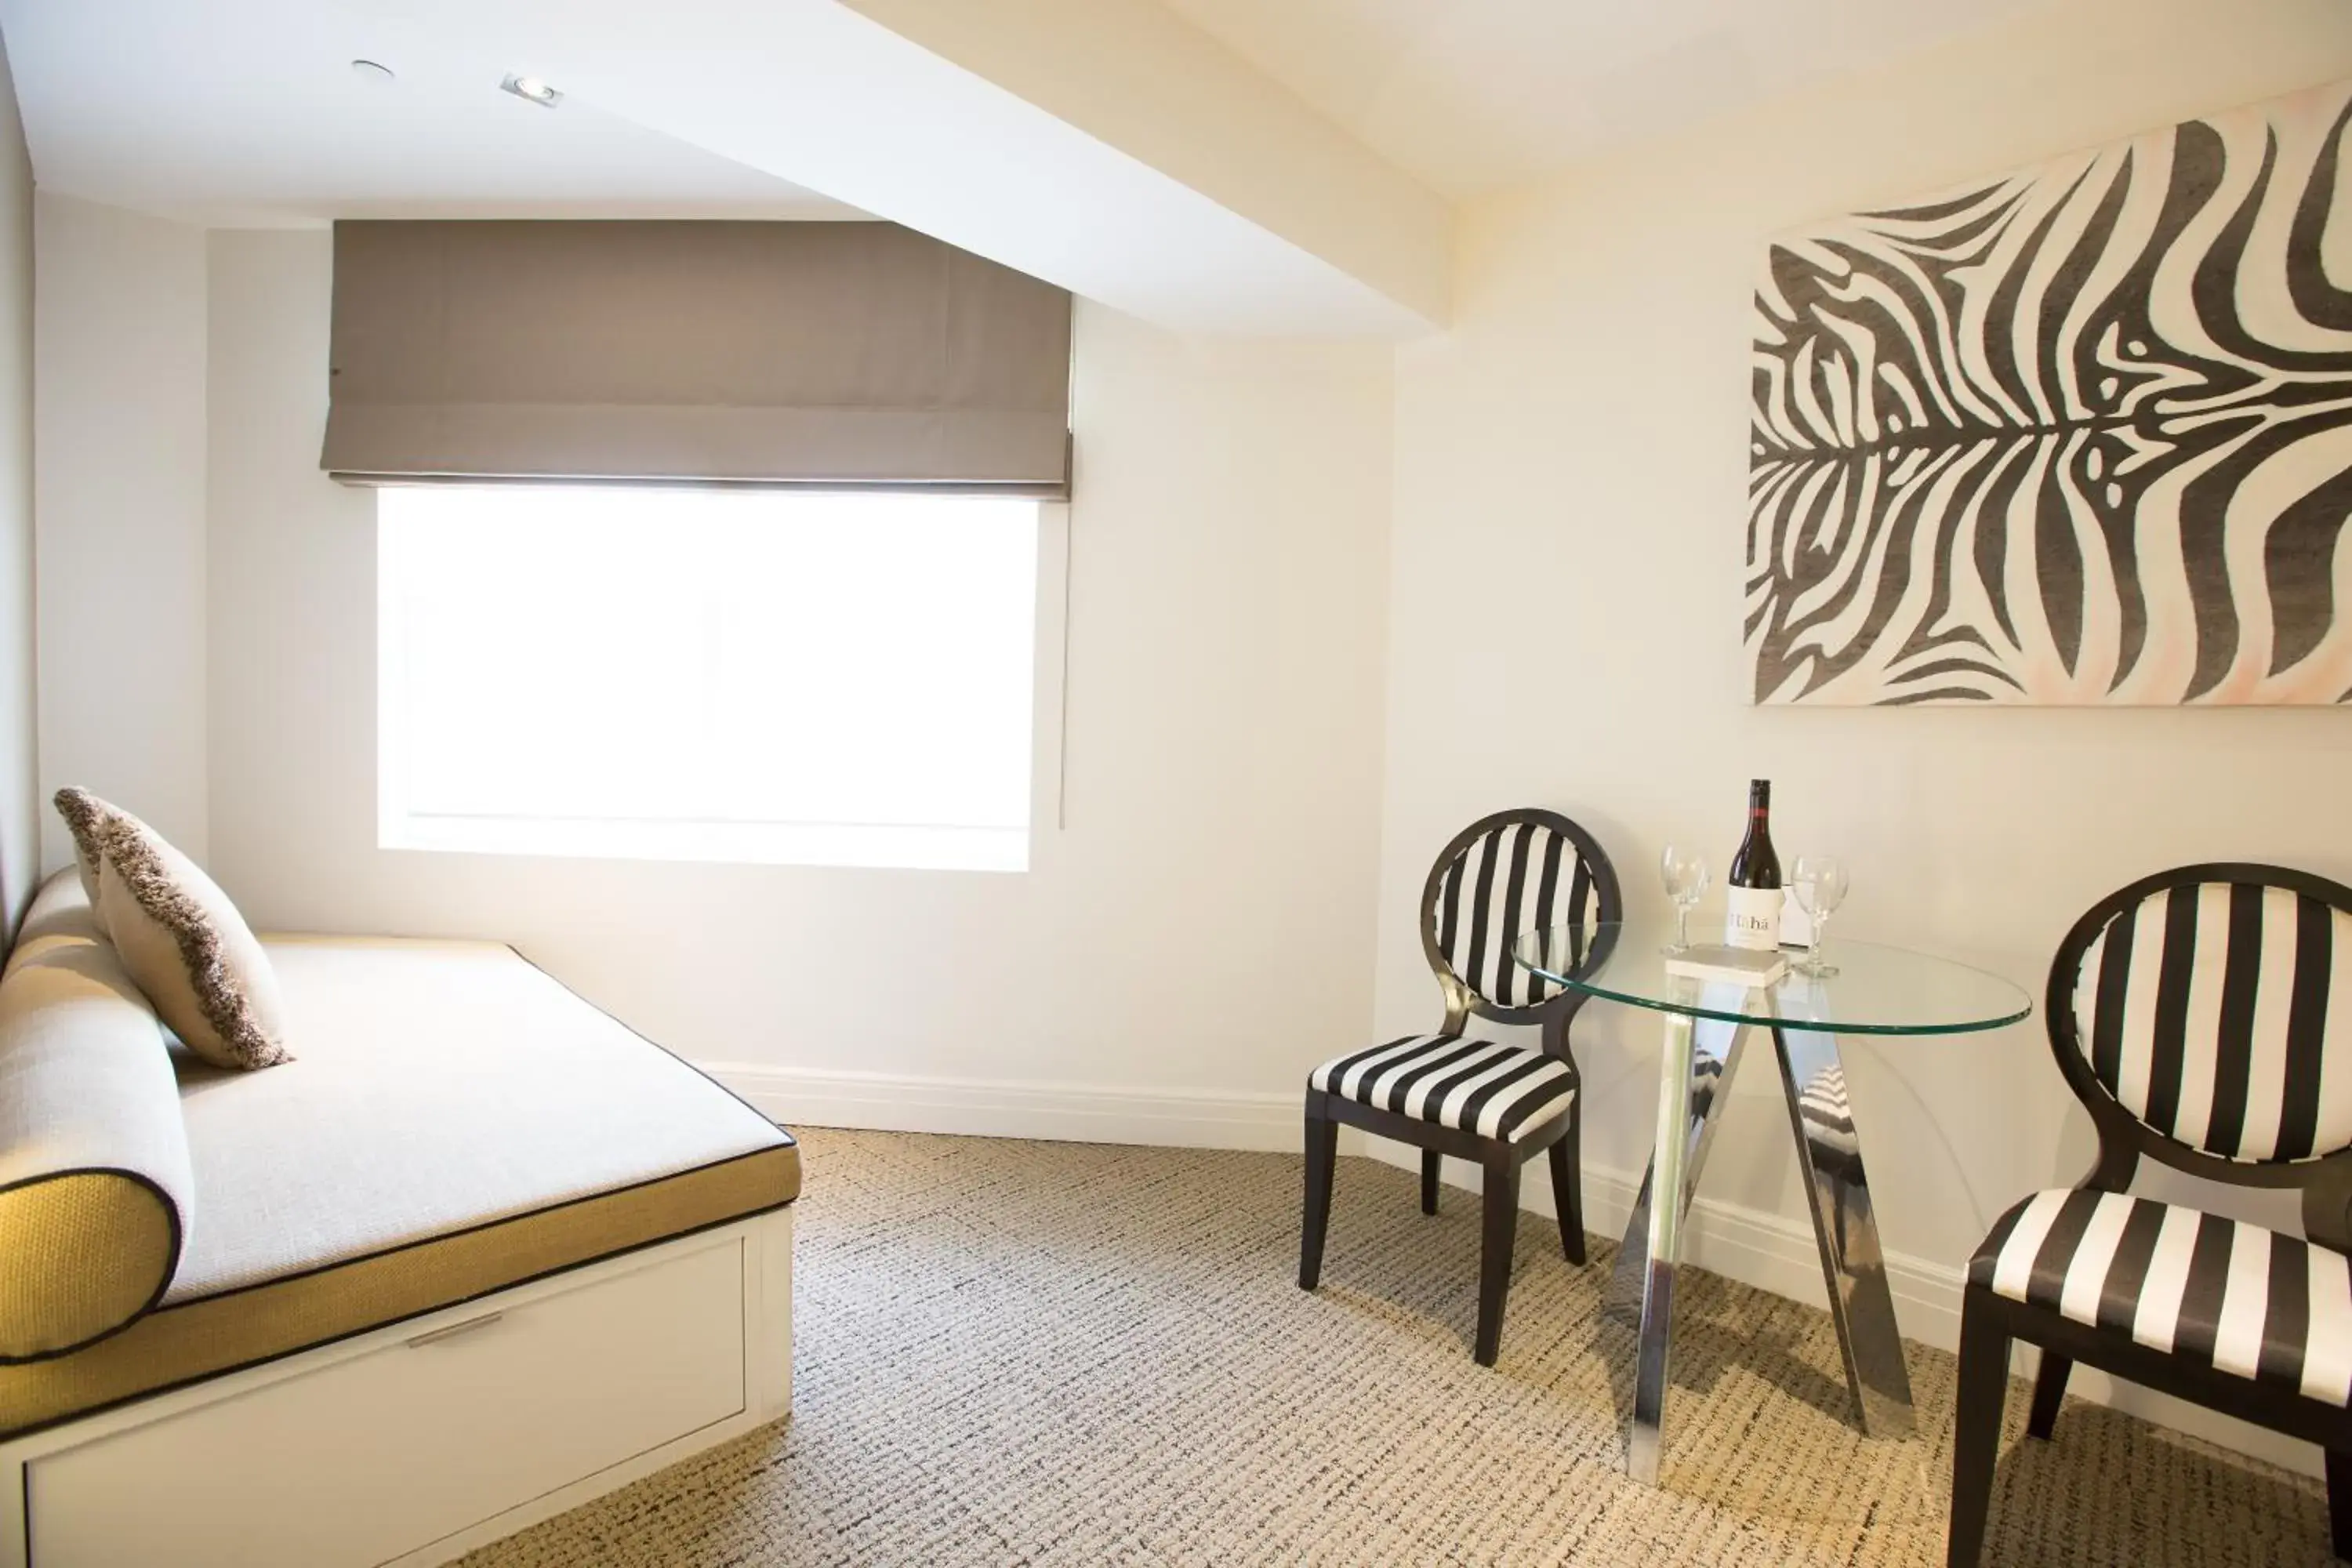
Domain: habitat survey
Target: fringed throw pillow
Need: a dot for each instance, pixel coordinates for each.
(85, 814)
(182, 942)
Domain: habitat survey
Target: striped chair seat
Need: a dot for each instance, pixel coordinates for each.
(2244, 1299)
(1829, 1115)
(1477, 1086)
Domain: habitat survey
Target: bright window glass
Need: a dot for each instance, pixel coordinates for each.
(819, 678)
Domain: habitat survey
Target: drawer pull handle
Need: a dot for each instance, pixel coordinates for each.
(453, 1329)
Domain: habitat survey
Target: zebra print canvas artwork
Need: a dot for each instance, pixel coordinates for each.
(2079, 435)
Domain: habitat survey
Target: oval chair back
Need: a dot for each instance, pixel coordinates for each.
(1516, 871)
(2203, 1016)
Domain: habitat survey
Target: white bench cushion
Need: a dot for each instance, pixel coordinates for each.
(435, 1085)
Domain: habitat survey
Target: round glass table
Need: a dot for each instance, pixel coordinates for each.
(1869, 990)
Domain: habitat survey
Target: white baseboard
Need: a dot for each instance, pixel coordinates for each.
(1754, 1246)
(1775, 1253)
(1073, 1113)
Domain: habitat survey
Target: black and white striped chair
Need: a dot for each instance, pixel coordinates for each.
(2204, 1016)
(1497, 1104)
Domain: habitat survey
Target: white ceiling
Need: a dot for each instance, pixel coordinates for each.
(236, 112)
(1174, 158)
(1469, 95)
(245, 112)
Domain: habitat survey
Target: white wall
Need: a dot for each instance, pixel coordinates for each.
(119, 440)
(1553, 617)
(1202, 924)
(1566, 614)
(20, 849)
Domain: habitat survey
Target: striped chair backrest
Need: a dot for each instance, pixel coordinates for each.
(1517, 872)
(2217, 1008)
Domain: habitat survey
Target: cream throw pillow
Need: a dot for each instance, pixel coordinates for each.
(183, 942)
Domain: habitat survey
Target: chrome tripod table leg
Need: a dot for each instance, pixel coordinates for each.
(1845, 1224)
(1716, 1047)
(1700, 1059)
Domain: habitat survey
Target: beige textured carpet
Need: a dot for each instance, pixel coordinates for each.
(1069, 1353)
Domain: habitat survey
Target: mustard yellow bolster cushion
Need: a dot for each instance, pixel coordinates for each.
(95, 1183)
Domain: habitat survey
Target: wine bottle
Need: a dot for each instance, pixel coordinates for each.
(1754, 887)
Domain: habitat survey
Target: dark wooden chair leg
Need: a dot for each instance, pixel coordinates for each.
(2049, 1390)
(1430, 1161)
(1976, 1437)
(1322, 1152)
(1567, 1195)
(1502, 1227)
(2339, 1503)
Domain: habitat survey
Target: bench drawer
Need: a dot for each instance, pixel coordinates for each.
(380, 1454)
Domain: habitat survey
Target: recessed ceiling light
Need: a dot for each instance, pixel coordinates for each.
(370, 70)
(530, 89)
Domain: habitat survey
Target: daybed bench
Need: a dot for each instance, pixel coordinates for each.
(475, 1254)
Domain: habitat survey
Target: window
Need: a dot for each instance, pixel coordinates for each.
(709, 675)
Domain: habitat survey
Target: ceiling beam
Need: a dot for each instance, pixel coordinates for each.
(1134, 76)
(1102, 145)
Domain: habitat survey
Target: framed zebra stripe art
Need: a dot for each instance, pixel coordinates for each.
(2077, 435)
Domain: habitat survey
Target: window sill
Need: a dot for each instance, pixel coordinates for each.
(928, 848)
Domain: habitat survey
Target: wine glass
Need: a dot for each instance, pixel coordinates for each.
(1684, 872)
(1819, 882)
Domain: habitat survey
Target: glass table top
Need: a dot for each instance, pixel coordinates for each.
(1877, 990)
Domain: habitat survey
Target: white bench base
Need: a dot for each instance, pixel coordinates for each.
(413, 1445)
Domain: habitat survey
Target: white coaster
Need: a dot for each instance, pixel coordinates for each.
(1716, 963)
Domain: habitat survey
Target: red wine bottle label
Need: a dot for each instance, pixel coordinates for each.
(1755, 917)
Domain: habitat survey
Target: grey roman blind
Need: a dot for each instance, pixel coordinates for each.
(794, 353)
